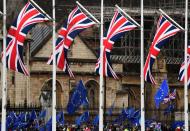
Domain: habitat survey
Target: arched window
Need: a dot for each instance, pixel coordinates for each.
(46, 93)
(93, 93)
(92, 98)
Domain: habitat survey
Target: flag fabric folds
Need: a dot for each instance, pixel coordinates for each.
(33, 115)
(118, 27)
(129, 114)
(77, 98)
(76, 23)
(42, 114)
(181, 76)
(161, 93)
(83, 118)
(165, 30)
(176, 124)
(27, 18)
(170, 97)
(169, 109)
(60, 118)
(95, 120)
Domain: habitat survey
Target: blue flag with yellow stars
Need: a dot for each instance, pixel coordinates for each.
(78, 97)
(161, 93)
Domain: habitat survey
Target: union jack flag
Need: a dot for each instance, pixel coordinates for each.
(27, 18)
(76, 23)
(170, 97)
(165, 29)
(181, 76)
(118, 27)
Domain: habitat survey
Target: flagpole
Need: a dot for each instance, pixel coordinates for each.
(142, 71)
(186, 75)
(54, 73)
(101, 91)
(4, 73)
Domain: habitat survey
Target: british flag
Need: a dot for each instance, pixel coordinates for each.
(118, 27)
(76, 23)
(181, 76)
(27, 18)
(170, 97)
(165, 29)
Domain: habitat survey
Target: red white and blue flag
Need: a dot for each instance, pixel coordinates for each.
(76, 23)
(170, 97)
(165, 29)
(118, 27)
(181, 76)
(27, 18)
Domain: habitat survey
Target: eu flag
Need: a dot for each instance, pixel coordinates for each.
(60, 118)
(110, 110)
(42, 114)
(95, 121)
(169, 109)
(33, 115)
(78, 97)
(83, 118)
(161, 93)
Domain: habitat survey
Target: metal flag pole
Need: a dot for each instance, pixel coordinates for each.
(54, 73)
(82, 7)
(128, 16)
(4, 73)
(101, 93)
(185, 82)
(142, 71)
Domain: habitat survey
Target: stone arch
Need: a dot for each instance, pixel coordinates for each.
(127, 96)
(46, 92)
(93, 93)
(132, 99)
